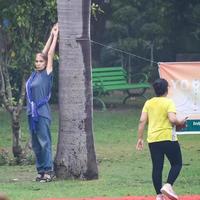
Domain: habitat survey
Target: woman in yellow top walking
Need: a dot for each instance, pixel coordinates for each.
(160, 114)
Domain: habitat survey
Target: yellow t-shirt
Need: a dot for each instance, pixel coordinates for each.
(159, 126)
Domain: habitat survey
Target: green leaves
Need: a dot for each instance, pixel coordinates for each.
(125, 14)
(96, 9)
(24, 24)
(155, 29)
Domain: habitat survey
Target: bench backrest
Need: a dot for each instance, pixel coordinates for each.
(109, 76)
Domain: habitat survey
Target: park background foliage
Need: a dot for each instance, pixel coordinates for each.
(157, 30)
(135, 34)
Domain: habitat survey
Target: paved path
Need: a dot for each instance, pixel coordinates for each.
(186, 197)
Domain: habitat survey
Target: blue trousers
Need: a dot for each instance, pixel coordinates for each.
(41, 144)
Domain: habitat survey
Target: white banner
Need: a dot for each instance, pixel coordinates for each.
(184, 89)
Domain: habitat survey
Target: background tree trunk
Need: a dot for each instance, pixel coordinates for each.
(75, 156)
(16, 146)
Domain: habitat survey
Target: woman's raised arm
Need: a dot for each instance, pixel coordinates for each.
(51, 51)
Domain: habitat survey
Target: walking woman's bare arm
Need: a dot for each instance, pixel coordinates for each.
(141, 127)
(174, 120)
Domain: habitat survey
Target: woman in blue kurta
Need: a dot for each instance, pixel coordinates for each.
(38, 89)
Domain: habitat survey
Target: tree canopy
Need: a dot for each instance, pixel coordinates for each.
(140, 26)
(156, 29)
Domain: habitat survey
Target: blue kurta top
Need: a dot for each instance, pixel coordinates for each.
(40, 88)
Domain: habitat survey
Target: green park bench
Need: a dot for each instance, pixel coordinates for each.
(108, 79)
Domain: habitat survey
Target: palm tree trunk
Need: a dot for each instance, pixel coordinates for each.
(75, 157)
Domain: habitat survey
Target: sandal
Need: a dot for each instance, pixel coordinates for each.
(39, 177)
(47, 178)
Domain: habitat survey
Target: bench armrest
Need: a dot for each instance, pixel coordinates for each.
(98, 88)
(138, 77)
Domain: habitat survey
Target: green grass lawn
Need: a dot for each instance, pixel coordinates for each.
(122, 170)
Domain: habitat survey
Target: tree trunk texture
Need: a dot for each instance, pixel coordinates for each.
(75, 157)
(16, 146)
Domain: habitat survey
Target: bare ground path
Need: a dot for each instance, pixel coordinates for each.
(186, 197)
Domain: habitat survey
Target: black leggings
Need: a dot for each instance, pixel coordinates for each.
(172, 150)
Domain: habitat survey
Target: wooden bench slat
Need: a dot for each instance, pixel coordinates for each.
(126, 86)
(106, 69)
(107, 83)
(105, 74)
(102, 79)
